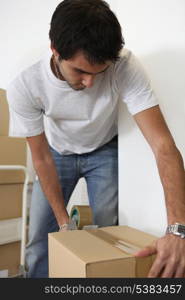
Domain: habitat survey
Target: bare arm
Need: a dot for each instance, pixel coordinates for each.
(170, 249)
(46, 171)
(169, 161)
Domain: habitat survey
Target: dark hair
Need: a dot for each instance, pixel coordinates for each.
(89, 26)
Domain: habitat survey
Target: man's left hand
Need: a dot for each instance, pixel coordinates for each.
(170, 257)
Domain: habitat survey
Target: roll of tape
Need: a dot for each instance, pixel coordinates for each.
(82, 215)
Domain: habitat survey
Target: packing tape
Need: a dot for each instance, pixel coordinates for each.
(82, 215)
(122, 245)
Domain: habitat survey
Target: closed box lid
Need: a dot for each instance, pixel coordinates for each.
(103, 252)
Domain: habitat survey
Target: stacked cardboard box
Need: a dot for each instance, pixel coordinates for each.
(4, 114)
(102, 252)
(12, 152)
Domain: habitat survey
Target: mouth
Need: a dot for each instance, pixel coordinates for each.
(81, 87)
(77, 87)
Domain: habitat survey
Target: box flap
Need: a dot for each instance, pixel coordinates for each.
(87, 246)
(104, 243)
(127, 248)
(130, 235)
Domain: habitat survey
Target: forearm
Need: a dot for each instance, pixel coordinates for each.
(172, 174)
(49, 180)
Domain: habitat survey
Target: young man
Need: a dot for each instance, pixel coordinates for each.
(66, 107)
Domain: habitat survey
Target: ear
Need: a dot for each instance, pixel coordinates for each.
(55, 52)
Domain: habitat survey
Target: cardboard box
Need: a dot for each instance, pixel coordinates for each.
(102, 252)
(4, 114)
(10, 258)
(10, 201)
(11, 177)
(13, 151)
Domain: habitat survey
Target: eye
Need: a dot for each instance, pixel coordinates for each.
(79, 71)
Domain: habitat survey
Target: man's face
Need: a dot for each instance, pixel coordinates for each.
(78, 72)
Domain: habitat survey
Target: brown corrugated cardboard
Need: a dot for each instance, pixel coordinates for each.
(11, 176)
(10, 201)
(13, 151)
(4, 113)
(103, 252)
(10, 258)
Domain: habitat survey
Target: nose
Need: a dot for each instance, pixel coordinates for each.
(88, 80)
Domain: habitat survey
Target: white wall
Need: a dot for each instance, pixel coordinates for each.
(155, 32)
(24, 27)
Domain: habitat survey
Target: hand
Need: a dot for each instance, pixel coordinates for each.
(70, 225)
(170, 258)
(63, 228)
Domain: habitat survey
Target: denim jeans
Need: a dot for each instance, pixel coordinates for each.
(100, 170)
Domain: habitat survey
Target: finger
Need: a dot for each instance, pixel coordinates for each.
(149, 250)
(156, 269)
(168, 271)
(180, 273)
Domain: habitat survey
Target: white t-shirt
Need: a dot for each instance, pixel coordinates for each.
(76, 121)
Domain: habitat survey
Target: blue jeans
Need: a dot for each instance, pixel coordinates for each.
(100, 170)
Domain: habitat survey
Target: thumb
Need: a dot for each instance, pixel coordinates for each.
(149, 250)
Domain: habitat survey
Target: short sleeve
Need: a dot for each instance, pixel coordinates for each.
(26, 117)
(133, 85)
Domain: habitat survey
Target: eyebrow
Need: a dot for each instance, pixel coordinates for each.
(80, 70)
